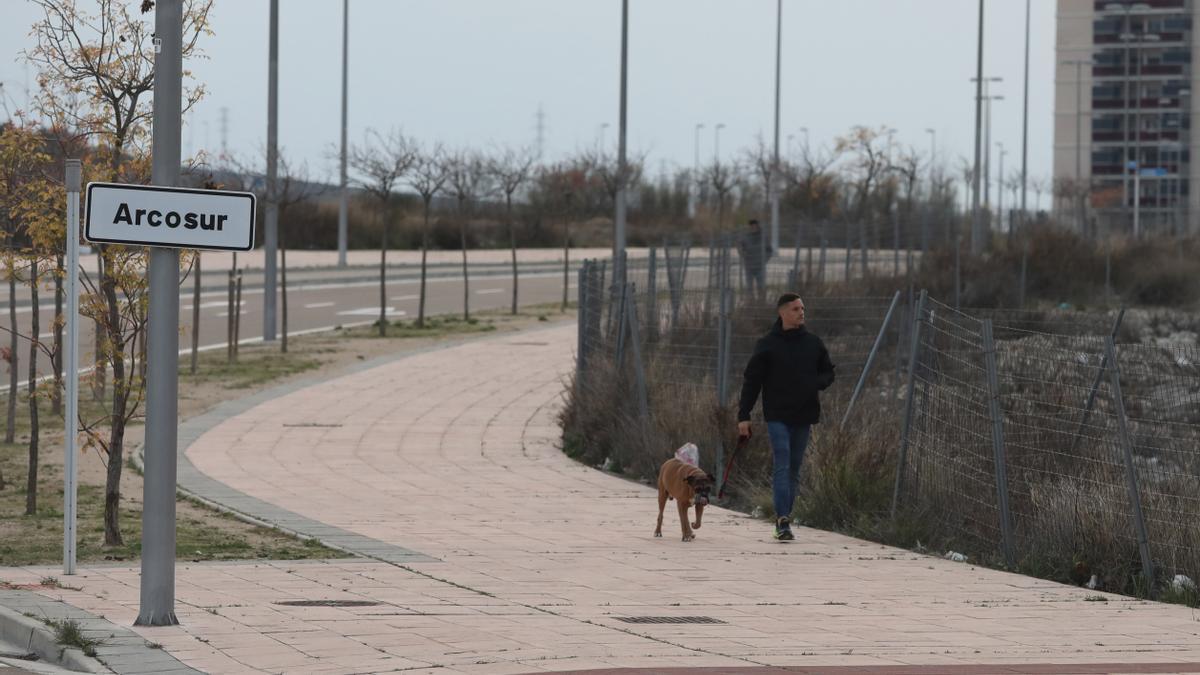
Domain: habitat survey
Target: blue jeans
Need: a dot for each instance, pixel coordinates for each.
(787, 447)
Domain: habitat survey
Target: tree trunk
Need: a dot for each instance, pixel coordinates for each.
(34, 328)
(466, 280)
(13, 360)
(237, 315)
(196, 314)
(100, 372)
(56, 395)
(512, 239)
(383, 274)
(116, 441)
(229, 322)
(424, 255)
(283, 291)
(566, 263)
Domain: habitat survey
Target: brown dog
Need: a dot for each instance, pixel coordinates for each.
(688, 486)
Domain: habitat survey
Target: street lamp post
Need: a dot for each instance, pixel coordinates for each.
(1025, 123)
(983, 136)
(932, 188)
(622, 175)
(1000, 184)
(695, 188)
(344, 196)
(773, 186)
(976, 220)
(1137, 128)
(717, 142)
(1079, 193)
(987, 162)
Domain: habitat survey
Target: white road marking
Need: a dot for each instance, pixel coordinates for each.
(241, 313)
(370, 311)
(402, 298)
(489, 291)
(315, 305)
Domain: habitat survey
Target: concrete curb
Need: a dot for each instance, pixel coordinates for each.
(120, 650)
(36, 637)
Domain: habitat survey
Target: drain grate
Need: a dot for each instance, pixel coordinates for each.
(329, 603)
(668, 619)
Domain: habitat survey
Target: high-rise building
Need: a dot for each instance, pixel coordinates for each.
(1123, 116)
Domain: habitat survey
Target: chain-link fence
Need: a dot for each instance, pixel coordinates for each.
(1036, 439)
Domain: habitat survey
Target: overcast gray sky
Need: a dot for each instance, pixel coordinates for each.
(473, 72)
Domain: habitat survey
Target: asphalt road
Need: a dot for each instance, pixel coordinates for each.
(312, 307)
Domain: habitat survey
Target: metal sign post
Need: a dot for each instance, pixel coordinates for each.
(157, 606)
(74, 181)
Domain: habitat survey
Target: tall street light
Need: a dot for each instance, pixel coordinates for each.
(976, 219)
(717, 142)
(1000, 184)
(619, 221)
(344, 199)
(1079, 191)
(271, 231)
(694, 192)
(772, 186)
(1126, 37)
(1137, 126)
(1025, 123)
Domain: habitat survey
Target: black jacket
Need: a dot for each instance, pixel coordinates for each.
(789, 368)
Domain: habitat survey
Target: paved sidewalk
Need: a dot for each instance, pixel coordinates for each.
(524, 561)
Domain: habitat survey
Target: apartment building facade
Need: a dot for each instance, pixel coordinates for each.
(1123, 116)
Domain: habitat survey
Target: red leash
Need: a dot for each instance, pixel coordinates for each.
(741, 443)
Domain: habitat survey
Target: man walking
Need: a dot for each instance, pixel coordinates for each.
(789, 366)
(754, 252)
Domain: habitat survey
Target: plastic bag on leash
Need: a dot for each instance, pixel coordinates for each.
(688, 453)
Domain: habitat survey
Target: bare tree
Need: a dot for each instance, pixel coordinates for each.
(869, 153)
(511, 168)
(761, 160)
(381, 163)
(722, 177)
(469, 180)
(293, 186)
(96, 74)
(428, 176)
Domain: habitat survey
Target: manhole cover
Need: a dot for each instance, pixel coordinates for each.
(329, 603)
(668, 619)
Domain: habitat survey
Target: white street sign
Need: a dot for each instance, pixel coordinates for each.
(148, 215)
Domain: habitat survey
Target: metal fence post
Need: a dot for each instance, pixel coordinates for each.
(710, 280)
(619, 310)
(683, 268)
(600, 300)
(1090, 404)
(639, 368)
(866, 371)
(581, 321)
(896, 242)
(849, 248)
(998, 455)
(652, 297)
(672, 292)
(914, 353)
(1024, 272)
(795, 280)
(821, 260)
(1135, 498)
(865, 260)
